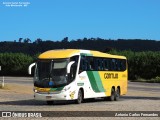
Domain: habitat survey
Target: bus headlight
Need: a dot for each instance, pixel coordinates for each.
(66, 88)
(35, 90)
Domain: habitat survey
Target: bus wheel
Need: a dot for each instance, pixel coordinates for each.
(50, 102)
(117, 94)
(111, 98)
(80, 97)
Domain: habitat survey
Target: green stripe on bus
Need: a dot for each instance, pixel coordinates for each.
(56, 89)
(98, 81)
(95, 81)
(92, 81)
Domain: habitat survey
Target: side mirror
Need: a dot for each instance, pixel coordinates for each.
(69, 66)
(30, 68)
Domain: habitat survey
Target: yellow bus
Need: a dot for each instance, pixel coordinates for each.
(75, 74)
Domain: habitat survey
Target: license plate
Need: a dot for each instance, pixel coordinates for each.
(48, 97)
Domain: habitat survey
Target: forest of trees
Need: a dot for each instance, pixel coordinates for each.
(103, 45)
(143, 55)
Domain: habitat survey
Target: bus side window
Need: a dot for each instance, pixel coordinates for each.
(83, 64)
(100, 64)
(118, 64)
(95, 63)
(91, 63)
(106, 64)
(123, 64)
(73, 68)
(103, 64)
(112, 64)
(109, 61)
(87, 62)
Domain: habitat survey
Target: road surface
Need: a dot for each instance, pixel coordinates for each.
(18, 96)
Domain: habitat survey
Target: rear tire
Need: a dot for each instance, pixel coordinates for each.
(117, 94)
(80, 97)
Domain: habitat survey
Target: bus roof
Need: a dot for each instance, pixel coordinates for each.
(66, 53)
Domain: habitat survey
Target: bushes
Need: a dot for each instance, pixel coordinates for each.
(15, 64)
(141, 64)
(157, 79)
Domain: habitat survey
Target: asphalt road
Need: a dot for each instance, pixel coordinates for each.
(132, 85)
(18, 96)
(18, 80)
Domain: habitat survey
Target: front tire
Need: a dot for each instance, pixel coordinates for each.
(80, 97)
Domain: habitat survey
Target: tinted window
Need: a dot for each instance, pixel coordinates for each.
(89, 63)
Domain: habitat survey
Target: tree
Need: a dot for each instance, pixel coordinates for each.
(15, 63)
(27, 40)
(85, 39)
(65, 39)
(108, 49)
(38, 40)
(20, 40)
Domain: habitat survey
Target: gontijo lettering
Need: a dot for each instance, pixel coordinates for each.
(110, 75)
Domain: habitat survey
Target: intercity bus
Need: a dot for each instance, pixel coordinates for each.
(74, 74)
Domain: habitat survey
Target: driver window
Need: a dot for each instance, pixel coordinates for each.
(73, 70)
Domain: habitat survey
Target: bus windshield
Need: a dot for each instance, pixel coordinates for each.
(51, 73)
